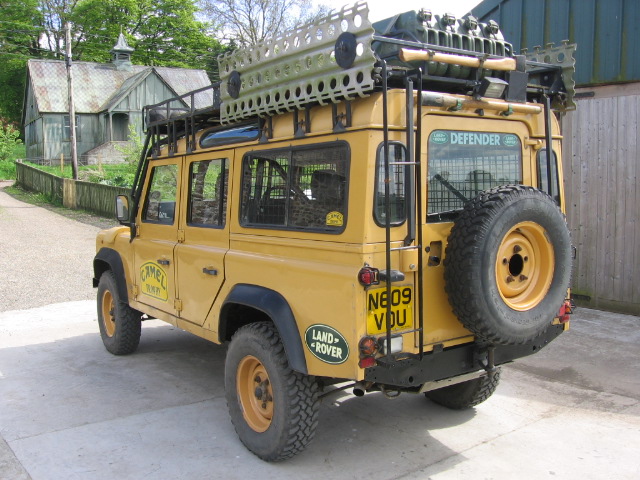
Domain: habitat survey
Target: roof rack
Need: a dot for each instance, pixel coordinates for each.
(340, 56)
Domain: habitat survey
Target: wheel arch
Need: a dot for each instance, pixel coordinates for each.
(247, 304)
(109, 259)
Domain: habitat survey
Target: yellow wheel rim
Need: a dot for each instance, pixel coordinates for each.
(254, 393)
(524, 266)
(108, 318)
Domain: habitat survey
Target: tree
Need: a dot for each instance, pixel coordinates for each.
(163, 32)
(20, 30)
(249, 22)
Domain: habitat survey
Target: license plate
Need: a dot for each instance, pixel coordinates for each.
(401, 309)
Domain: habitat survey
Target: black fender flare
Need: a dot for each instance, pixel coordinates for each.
(109, 259)
(277, 309)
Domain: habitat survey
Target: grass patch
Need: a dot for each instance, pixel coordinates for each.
(8, 167)
(33, 198)
(118, 175)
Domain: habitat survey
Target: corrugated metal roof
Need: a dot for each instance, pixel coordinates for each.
(96, 85)
(606, 32)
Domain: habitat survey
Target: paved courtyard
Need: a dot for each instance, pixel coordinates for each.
(70, 410)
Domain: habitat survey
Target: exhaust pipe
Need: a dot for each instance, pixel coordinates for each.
(359, 389)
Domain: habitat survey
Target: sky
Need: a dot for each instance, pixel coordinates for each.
(380, 9)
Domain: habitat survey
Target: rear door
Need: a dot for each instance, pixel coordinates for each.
(204, 233)
(464, 157)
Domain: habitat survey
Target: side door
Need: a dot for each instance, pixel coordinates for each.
(204, 233)
(157, 236)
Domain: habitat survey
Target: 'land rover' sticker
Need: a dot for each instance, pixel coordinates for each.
(153, 281)
(510, 140)
(327, 344)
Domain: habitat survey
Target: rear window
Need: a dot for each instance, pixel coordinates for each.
(301, 188)
(462, 164)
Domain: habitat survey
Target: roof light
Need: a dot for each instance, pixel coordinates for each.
(491, 87)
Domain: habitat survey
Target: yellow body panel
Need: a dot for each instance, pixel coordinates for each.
(315, 272)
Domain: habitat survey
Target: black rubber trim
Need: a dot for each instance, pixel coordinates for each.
(112, 259)
(412, 372)
(277, 308)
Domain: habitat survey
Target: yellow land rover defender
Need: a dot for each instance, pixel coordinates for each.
(376, 204)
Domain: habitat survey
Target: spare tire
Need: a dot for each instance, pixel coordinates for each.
(508, 264)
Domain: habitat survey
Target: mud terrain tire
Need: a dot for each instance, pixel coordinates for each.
(466, 394)
(120, 325)
(273, 408)
(508, 264)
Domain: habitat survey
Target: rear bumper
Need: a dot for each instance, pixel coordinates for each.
(411, 373)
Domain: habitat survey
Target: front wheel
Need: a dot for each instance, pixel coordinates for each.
(273, 408)
(120, 325)
(466, 394)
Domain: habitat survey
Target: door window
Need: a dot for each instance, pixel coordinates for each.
(208, 193)
(160, 204)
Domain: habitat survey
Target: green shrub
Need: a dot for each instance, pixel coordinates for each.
(11, 148)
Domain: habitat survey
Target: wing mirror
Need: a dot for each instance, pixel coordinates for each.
(122, 209)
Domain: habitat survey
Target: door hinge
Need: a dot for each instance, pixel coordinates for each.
(177, 304)
(135, 291)
(137, 230)
(180, 236)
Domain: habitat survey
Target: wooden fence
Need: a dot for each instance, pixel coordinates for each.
(602, 170)
(92, 197)
(35, 180)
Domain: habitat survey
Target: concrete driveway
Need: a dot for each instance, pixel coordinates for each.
(70, 410)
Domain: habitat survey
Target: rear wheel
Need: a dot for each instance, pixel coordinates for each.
(466, 394)
(273, 408)
(120, 324)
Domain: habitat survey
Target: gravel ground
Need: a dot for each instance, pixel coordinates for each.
(45, 257)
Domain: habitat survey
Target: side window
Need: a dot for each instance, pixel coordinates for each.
(66, 128)
(160, 204)
(298, 188)
(207, 193)
(397, 177)
(543, 178)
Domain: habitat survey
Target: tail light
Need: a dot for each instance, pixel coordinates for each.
(368, 346)
(565, 311)
(369, 276)
(366, 362)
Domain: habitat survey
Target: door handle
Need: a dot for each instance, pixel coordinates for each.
(210, 271)
(163, 261)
